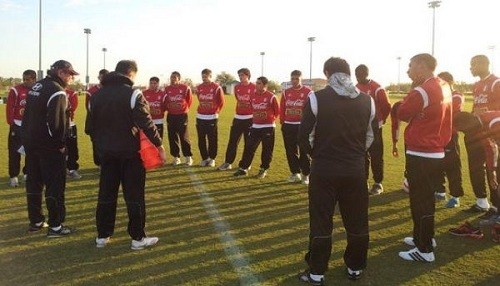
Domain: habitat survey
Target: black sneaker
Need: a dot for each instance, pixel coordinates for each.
(353, 274)
(305, 276)
(240, 172)
(63, 231)
(34, 227)
(490, 213)
(476, 209)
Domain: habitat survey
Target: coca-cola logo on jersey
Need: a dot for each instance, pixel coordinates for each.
(259, 106)
(482, 98)
(155, 104)
(177, 97)
(206, 96)
(295, 103)
(244, 97)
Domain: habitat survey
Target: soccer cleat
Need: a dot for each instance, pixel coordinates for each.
(177, 161)
(439, 196)
(73, 174)
(477, 209)
(34, 227)
(491, 212)
(294, 178)
(101, 242)
(188, 160)
(225, 166)
(240, 172)
(489, 218)
(13, 182)
(63, 231)
(143, 243)
(211, 162)
(376, 189)
(452, 203)
(305, 276)
(415, 255)
(353, 274)
(262, 173)
(305, 179)
(409, 241)
(467, 229)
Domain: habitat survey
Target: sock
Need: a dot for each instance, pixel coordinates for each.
(483, 202)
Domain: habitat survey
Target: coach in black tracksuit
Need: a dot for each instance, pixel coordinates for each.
(341, 122)
(44, 132)
(116, 114)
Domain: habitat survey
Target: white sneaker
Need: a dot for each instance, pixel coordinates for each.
(73, 174)
(188, 160)
(305, 179)
(211, 162)
(25, 178)
(13, 182)
(415, 255)
(204, 163)
(225, 166)
(177, 161)
(409, 241)
(143, 243)
(101, 242)
(294, 178)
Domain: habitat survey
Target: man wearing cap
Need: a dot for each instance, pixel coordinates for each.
(44, 133)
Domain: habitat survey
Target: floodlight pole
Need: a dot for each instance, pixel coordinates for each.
(40, 71)
(399, 73)
(104, 50)
(433, 5)
(311, 40)
(87, 31)
(492, 60)
(262, 64)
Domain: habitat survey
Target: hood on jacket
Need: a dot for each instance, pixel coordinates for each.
(116, 78)
(342, 84)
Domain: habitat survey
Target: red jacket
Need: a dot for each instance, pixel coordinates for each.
(155, 102)
(292, 102)
(178, 99)
(490, 136)
(211, 100)
(243, 94)
(382, 104)
(16, 103)
(486, 93)
(427, 109)
(265, 109)
(72, 105)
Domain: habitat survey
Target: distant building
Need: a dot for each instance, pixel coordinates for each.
(315, 84)
(229, 87)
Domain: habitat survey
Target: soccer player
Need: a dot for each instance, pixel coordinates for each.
(242, 118)
(72, 140)
(16, 103)
(211, 100)
(44, 133)
(88, 94)
(486, 94)
(292, 102)
(177, 101)
(265, 111)
(337, 129)
(375, 154)
(427, 109)
(154, 97)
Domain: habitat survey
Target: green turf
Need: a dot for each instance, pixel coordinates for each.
(196, 210)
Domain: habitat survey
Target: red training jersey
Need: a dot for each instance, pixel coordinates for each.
(72, 105)
(211, 100)
(382, 104)
(292, 102)
(265, 109)
(427, 109)
(155, 102)
(16, 103)
(486, 93)
(490, 136)
(243, 94)
(88, 94)
(178, 99)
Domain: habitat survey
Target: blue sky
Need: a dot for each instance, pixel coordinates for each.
(225, 35)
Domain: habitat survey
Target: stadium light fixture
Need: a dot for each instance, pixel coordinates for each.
(104, 50)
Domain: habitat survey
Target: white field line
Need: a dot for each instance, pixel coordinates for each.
(236, 254)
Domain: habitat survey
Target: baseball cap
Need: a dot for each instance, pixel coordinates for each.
(63, 65)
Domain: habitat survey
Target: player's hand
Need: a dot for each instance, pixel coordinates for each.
(162, 154)
(395, 151)
(492, 180)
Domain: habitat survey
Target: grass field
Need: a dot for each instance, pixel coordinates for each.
(215, 229)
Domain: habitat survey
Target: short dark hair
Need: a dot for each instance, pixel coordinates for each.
(29, 73)
(446, 76)
(336, 64)
(176, 73)
(245, 71)
(126, 66)
(482, 59)
(263, 79)
(426, 59)
(296, 73)
(103, 72)
(206, 71)
(361, 69)
(155, 79)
